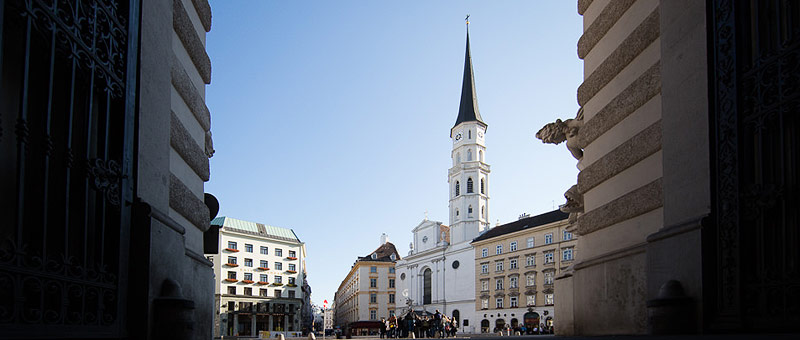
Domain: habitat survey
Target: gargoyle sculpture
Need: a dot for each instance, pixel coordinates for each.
(559, 131)
(574, 205)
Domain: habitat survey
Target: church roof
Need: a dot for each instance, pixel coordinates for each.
(383, 254)
(525, 223)
(253, 228)
(468, 109)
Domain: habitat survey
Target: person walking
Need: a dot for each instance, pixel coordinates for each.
(382, 329)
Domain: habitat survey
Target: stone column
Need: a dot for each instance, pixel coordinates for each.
(235, 323)
(253, 325)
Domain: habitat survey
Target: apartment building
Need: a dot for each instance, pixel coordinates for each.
(258, 283)
(516, 265)
(368, 292)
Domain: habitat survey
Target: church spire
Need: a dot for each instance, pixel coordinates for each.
(468, 109)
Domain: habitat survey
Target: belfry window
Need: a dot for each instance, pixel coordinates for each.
(482, 186)
(469, 185)
(469, 211)
(458, 189)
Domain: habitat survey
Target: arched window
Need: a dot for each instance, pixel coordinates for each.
(426, 286)
(482, 186)
(458, 158)
(485, 326)
(469, 155)
(483, 212)
(458, 189)
(480, 155)
(457, 316)
(469, 185)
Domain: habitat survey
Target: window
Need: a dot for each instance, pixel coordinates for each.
(499, 249)
(374, 256)
(391, 298)
(373, 298)
(566, 255)
(469, 185)
(232, 275)
(484, 303)
(548, 238)
(248, 276)
(264, 250)
(498, 284)
(484, 252)
(231, 305)
(512, 246)
(278, 279)
(292, 267)
(391, 269)
(232, 290)
(567, 236)
(231, 245)
(373, 283)
(530, 242)
(482, 185)
(531, 300)
(548, 299)
(484, 285)
(469, 152)
(512, 264)
(531, 279)
(548, 278)
(373, 269)
(263, 264)
(498, 303)
(248, 248)
(277, 293)
(530, 260)
(469, 211)
(248, 291)
(373, 314)
(484, 268)
(512, 282)
(291, 280)
(292, 253)
(458, 188)
(391, 283)
(248, 262)
(512, 302)
(278, 266)
(263, 292)
(483, 212)
(458, 157)
(262, 278)
(291, 294)
(278, 252)
(426, 286)
(548, 257)
(392, 257)
(498, 266)
(232, 259)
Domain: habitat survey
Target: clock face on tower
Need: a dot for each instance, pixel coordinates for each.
(458, 136)
(480, 134)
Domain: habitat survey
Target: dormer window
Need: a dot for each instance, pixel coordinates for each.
(374, 256)
(393, 257)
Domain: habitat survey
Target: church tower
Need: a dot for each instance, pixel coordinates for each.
(469, 176)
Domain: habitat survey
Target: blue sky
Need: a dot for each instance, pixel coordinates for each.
(333, 117)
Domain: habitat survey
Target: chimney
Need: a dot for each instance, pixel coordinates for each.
(384, 238)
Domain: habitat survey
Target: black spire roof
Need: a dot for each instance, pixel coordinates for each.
(468, 110)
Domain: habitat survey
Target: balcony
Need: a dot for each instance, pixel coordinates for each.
(232, 250)
(231, 280)
(262, 268)
(248, 281)
(291, 271)
(291, 285)
(277, 284)
(231, 264)
(262, 282)
(291, 258)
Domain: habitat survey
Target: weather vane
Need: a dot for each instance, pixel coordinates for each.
(467, 19)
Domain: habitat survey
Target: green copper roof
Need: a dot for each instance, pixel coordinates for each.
(237, 225)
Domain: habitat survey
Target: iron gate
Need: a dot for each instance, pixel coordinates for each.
(752, 258)
(68, 70)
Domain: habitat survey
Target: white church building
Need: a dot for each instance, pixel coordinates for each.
(439, 271)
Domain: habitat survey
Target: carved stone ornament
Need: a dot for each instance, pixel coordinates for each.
(568, 130)
(574, 204)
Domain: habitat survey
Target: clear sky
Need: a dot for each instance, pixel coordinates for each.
(333, 117)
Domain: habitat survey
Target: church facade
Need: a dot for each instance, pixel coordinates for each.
(439, 271)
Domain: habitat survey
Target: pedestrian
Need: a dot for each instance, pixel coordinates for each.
(382, 329)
